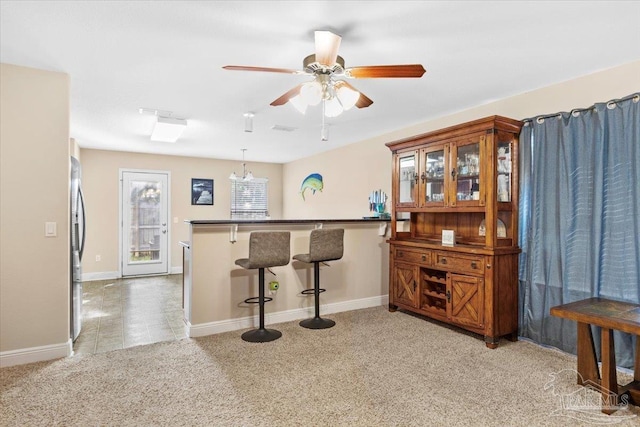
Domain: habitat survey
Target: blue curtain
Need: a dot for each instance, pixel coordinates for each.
(579, 217)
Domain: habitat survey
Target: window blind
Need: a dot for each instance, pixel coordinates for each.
(249, 199)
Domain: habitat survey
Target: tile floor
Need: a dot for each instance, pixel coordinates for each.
(124, 313)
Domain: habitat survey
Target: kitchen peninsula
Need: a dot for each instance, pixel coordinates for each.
(215, 288)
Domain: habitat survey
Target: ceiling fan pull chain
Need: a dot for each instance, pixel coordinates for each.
(324, 131)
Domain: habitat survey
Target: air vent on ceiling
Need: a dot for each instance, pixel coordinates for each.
(283, 128)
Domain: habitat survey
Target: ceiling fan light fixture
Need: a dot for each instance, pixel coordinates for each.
(332, 107)
(168, 129)
(311, 93)
(347, 96)
(299, 103)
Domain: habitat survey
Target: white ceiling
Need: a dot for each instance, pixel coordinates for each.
(168, 55)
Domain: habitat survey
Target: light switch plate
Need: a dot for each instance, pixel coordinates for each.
(50, 229)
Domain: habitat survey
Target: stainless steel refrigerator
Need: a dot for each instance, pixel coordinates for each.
(78, 229)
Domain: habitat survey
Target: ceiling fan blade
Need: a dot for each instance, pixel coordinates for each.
(363, 101)
(377, 71)
(265, 69)
(287, 96)
(327, 45)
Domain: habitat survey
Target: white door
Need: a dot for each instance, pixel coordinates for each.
(145, 231)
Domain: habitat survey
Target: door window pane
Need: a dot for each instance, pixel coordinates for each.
(145, 198)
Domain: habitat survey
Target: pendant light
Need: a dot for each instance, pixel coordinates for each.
(246, 176)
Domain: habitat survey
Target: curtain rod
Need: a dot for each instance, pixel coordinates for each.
(576, 111)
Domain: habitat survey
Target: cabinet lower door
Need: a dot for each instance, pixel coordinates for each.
(405, 284)
(467, 300)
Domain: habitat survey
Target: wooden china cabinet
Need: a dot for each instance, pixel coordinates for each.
(463, 178)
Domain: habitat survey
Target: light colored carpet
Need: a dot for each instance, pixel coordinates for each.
(374, 368)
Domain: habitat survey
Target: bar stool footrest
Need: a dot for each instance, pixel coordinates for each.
(256, 300)
(311, 291)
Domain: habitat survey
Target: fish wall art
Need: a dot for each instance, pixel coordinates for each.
(312, 182)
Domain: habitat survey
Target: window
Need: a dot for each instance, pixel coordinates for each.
(249, 199)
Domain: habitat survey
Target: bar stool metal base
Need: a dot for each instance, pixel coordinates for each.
(317, 323)
(261, 335)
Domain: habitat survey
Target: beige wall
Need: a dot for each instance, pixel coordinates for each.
(34, 183)
(352, 172)
(349, 175)
(100, 179)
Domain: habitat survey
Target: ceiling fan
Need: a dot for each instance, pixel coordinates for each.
(327, 67)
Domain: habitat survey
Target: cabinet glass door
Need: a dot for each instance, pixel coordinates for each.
(434, 175)
(504, 171)
(468, 172)
(407, 178)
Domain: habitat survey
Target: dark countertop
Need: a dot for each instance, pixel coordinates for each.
(280, 221)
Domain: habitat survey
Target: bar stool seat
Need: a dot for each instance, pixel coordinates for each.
(324, 245)
(266, 249)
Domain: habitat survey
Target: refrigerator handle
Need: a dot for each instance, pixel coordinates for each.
(84, 221)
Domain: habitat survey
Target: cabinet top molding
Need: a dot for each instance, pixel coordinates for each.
(484, 124)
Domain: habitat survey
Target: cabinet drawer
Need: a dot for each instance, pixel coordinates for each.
(461, 263)
(416, 256)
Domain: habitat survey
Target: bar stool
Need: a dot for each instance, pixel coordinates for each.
(266, 249)
(324, 245)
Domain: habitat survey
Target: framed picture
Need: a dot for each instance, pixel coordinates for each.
(201, 191)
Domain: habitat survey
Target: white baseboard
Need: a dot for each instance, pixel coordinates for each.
(36, 354)
(102, 275)
(203, 329)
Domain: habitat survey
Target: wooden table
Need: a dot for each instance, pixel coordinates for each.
(609, 315)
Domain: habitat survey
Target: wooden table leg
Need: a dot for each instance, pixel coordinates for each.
(587, 361)
(633, 389)
(636, 366)
(609, 378)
